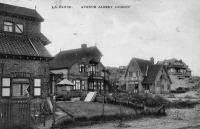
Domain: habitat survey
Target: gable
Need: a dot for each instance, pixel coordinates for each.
(132, 67)
(137, 64)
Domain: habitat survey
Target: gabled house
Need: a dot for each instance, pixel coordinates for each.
(80, 66)
(176, 67)
(24, 66)
(143, 76)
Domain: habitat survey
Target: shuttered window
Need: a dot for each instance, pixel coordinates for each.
(37, 87)
(19, 28)
(5, 87)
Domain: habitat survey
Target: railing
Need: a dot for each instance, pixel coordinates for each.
(90, 73)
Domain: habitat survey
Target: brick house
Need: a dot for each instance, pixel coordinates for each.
(80, 66)
(24, 67)
(144, 76)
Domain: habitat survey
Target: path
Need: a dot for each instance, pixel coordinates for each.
(187, 119)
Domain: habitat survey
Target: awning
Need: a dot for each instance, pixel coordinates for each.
(65, 82)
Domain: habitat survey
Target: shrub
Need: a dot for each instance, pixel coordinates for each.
(182, 104)
(149, 100)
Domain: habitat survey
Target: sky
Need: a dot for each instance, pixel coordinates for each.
(162, 29)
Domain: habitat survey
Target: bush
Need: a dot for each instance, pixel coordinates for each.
(182, 104)
(149, 100)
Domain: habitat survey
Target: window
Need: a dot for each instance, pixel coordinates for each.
(83, 85)
(37, 87)
(82, 68)
(5, 87)
(20, 87)
(19, 28)
(78, 85)
(93, 69)
(8, 26)
(102, 85)
(20, 90)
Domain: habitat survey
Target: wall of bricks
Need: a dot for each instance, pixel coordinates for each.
(31, 68)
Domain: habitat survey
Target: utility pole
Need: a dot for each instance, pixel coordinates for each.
(104, 71)
(54, 101)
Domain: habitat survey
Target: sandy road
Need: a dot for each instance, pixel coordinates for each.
(176, 119)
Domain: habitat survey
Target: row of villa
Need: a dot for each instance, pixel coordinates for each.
(28, 72)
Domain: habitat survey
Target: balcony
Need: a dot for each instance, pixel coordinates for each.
(132, 78)
(94, 73)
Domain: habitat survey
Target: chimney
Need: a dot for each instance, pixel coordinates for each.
(83, 45)
(152, 60)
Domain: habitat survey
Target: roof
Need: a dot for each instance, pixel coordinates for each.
(152, 73)
(171, 63)
(6, 9)
(65, 82)
(44, 40)
(13, 44)
(143, 64)
(65, 59)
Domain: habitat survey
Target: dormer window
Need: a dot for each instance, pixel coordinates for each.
(13, 27)
(19, 28)
(8, 26)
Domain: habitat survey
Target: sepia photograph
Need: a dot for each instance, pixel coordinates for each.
(99, 64)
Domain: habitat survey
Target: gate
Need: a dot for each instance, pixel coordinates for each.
(15, 112)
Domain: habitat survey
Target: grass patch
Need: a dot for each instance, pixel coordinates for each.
(85, 109)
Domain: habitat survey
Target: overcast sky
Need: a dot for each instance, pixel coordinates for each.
(162, 29)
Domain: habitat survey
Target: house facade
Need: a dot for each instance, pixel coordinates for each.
(143, 76)
(80, 66)
(24, 67)
(176, 67)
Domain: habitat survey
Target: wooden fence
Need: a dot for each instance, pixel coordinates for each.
(15, 112)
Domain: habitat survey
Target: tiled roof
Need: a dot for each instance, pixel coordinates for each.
(143, 64)
(12, 10)
(65, 59)
(152, 73)
(13, 44)
(171, 63)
